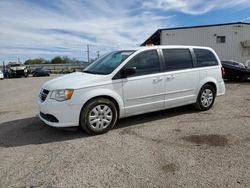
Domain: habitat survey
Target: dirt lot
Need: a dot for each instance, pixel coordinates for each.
(174, 148)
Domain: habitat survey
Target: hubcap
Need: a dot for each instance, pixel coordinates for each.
(207, 98)
(100, 117)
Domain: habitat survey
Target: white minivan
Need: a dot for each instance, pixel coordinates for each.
(130, 82)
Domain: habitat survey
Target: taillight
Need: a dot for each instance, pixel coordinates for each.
(222, 72)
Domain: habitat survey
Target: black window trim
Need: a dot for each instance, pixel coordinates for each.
(118, 75)
(193, 59)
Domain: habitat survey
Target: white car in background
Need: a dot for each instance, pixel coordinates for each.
(131, 82)
(1, 75)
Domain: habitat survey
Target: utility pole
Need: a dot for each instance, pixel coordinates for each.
(3, 67)
(88, 52)
(98, 54)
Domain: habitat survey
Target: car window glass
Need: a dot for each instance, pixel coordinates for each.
(176, 59)
(146, 62)
(205, 58)
(108, 63)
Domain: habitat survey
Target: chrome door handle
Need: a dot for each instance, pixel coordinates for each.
(158, 79)
(170, 77)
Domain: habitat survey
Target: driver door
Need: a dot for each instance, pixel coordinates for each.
(144, 91)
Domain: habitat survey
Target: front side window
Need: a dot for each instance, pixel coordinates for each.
(108, 63)
(146, 62)
(176, 59)
(205, 58)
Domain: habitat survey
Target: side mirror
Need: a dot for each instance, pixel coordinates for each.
(128, 71)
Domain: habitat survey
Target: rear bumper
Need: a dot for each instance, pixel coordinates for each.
(221, 88)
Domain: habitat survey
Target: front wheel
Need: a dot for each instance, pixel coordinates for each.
(98, 116)
(205, 98)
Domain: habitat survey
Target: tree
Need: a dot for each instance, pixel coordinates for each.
(66, 59)
(34, 61)
(56, 60)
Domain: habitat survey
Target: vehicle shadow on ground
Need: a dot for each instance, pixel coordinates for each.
(31, 131)
(247, 82)
(153, 116)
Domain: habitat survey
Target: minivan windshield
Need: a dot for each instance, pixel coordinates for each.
(108, 63)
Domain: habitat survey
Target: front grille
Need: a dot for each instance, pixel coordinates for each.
(43, 94)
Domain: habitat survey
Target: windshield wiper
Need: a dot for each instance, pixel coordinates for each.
(91, 72)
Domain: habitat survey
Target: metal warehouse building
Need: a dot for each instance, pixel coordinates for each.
(231, 41)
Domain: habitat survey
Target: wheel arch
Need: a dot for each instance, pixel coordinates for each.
(213, 85)
(210, 81)
(105, 97)
(115, 99)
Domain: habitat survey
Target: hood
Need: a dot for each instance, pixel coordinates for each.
(73, 81)
(18, 68)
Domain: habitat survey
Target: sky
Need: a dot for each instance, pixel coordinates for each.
(46, 28)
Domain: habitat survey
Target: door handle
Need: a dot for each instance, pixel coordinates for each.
(158, 79)
(170, 77)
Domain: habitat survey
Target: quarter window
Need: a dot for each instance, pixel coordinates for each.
(205, 58)
(146, 62)
(176, 59)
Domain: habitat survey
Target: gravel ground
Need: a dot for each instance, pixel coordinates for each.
(174, 148)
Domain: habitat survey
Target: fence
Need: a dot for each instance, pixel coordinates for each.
(57, 68)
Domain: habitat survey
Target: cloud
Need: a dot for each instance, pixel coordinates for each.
(30, 28)
(246, 19)
(194, 7)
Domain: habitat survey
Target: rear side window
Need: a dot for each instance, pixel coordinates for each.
(146, 62)
(176, 59)
(205, 58)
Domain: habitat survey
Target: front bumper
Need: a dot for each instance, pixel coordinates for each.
(59, 114)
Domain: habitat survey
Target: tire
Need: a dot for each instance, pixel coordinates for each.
(243, 78)
(206, 98)
(98, 116)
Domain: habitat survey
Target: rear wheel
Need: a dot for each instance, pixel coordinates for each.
(243, 78)
(205, 98)
(98, 116)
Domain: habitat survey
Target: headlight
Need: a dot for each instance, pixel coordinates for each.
(62, 94)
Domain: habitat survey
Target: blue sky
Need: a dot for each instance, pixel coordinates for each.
(45, 28)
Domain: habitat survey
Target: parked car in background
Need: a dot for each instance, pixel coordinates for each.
(131, 82)
(40, 72)
(1, 75)
(235, 71)
(15, 70)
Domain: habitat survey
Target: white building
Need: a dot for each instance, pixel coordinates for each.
(231, 40)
